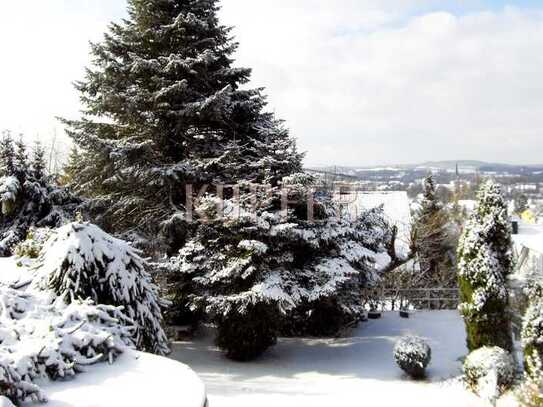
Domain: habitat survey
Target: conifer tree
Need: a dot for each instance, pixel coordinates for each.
(21, 160)
(485, 260)
(7, 155)
(432, 240)
(252, 269)
(165, 106)
(38, 162)
(72, 167)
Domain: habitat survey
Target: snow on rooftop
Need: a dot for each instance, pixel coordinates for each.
(136, 379)
(529, 236)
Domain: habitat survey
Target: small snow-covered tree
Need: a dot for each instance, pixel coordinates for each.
(7, 155)
(485, 261)
(249, 268)
(22, 169)
(434, 246)
(81, 261)
(532, 328)
(28, 198)
(37, 163)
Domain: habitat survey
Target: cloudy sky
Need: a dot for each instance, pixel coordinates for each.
(359, 82)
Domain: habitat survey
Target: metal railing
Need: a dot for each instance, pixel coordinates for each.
(391, 299)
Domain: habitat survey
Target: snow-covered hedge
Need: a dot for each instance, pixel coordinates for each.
(413, 355)
(489, 371)
(532, 325)
(81, 261)
(485, 261)
(530, 392)
(44, 339)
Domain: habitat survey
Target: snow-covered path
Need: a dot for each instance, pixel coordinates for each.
(358, 370)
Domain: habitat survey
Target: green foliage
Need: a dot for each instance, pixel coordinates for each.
(489, 371)
(245, 336)
(485, 260)
(34, 242)
(532, 329)
(413, 355)
(530, 392)
(433, 241)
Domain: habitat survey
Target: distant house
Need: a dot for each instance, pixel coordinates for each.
(529, 217)
(528, 250)
(528, 254)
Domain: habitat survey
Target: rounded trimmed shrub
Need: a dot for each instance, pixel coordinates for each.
(489, 371)
(413, 355)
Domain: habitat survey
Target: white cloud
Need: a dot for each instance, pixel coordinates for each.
(44, 48)
(397, 88)
(358, 81)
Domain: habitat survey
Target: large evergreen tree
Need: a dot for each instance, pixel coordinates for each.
(165, 107)
(485, 260)
(256, 271)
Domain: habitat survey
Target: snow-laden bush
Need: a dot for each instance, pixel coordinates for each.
(485, 261)
(530, 392)
(81, 261)
(33, 244)
(244, 257)
(28, 197)
(44, 339)
(532, 326)
(489, 371)
(10, 190)
(413, 355)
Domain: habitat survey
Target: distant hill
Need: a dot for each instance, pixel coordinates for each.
(450, 165)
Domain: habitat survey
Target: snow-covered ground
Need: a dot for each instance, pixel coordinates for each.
(357, 370)
(135, 380)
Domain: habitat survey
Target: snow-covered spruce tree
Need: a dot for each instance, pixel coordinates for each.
(81, 261)
(485, 260)
(28, 201)
(164, 107)
(7, 155)
(37, 164)
(252, 265)
(434, 246)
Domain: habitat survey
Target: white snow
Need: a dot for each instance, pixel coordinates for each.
(529, 236)
(11, 273)
(396, 208)
(136, 380)
(356, 370)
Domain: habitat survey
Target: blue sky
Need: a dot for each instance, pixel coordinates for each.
(359, 82)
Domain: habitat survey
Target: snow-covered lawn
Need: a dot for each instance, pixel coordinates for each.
(358, 370)
(135, 380)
